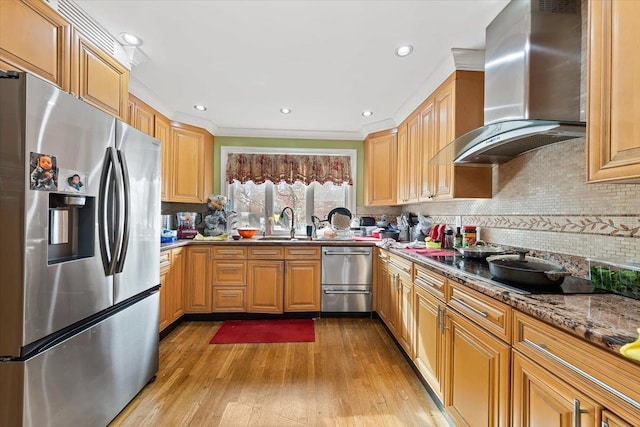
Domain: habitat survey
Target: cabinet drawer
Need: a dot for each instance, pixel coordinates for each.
(401, 266)
(430, 281)
(616, 377)
(481, 309)
(230, 273)
(297, 252)
(229, 253)
(165, 259)
(228, 299)
(266, 252)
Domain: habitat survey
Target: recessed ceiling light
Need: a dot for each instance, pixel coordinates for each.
(131, 40)
(367, 113)
(200, 107)
(404, 50)
(285, 110)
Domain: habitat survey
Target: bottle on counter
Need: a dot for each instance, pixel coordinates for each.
(448, 239)
(469, 235)
(457, 239)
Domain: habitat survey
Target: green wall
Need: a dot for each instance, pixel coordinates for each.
(235, 141)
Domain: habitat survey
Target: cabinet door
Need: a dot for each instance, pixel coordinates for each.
(405, 315)
(34, 38)
(445, 128)
(163, 134)
(429, 339)
(99, 79)
(381, 285)
(143, 118)
(611, 420)
(427, 149)
(198, 297)
(302, 286)
(477, 375)
(264, 286)
(391, 295)
(403, 163)
(413, 156)
(542, 399)
(192, 161)
(177, 284)
(380, 170)
(613, 133)
(164, 298)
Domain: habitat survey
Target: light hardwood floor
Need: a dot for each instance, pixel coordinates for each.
(352, 375)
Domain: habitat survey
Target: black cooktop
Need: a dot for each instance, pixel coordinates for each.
(480, 267)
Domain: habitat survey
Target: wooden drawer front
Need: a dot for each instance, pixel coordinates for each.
(615, 379)
(228, 273)
(481, 309)
(229, 253)
(228, 299)
(382, 255)
(266, 252)
(401, 266)
(430, 281)
(302, 252)
(165, 259)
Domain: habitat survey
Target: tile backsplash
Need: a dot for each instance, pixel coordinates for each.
(541, 201)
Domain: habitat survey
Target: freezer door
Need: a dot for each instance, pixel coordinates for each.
(138, 266)
(75, 136)
(89, 378)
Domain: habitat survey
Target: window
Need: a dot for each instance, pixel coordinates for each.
(260, 204)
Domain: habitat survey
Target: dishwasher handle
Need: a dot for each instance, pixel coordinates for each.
(347, 253)
(329, 292)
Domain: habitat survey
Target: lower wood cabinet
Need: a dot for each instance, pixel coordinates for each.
(302, 285)
(229, 285)
(172, 268)
(542, 399)
(229, 299)
(265, 280)
(199, 289)
(478, 374)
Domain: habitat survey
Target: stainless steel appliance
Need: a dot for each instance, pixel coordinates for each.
(80, 206)
(532, 83)
(347, 279)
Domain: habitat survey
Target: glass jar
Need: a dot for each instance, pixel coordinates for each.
(469, 235)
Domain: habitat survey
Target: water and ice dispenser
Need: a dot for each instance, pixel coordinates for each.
(71, 227)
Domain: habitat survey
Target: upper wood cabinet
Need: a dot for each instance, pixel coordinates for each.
(409, 141)
(380, 151)
(427, 148)
(34, 38)
(141, 116)
(458, 108)
(163, 134)
(191, 169)
(98, 78)
(613, 133)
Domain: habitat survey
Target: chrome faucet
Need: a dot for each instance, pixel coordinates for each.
(292, 232)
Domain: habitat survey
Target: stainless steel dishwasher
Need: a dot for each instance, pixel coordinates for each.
(347, 279)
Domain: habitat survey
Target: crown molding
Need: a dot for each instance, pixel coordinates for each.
(289, 133)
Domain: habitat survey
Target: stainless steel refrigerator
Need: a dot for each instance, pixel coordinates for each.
(79, 257)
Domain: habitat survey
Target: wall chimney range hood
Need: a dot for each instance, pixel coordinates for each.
(532, 83)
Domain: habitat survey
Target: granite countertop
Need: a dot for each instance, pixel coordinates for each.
(257, 242)
(606, 320)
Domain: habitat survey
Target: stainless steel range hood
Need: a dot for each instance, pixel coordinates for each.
(532, 83)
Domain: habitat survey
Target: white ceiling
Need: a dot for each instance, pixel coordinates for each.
(326, 60)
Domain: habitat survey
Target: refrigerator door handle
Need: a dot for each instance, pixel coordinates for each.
(126, 196)
(109, 234)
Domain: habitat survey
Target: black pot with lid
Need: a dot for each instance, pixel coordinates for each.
(526, 270)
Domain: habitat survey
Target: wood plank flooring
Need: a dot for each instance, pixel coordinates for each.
(352, 375)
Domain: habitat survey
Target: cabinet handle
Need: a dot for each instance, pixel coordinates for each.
(228, 268)
(223, 252)
(227, 295)
(475, 310)
(257, 252)
(443, 326)
(543, 349)
(396, 266)
(576, 412)
(425, 283)
(438, 318)
(293, 252)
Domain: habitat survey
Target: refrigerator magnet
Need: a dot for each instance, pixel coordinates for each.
(74, 181)
(44, 172)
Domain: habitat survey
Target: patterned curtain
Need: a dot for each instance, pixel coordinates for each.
(288, 168)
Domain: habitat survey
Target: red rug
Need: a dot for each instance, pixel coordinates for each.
(265, 331)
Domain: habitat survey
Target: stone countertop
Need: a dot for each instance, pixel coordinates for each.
(607, 320)
(257, 242)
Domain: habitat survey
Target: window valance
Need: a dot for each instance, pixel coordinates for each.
(288, 168)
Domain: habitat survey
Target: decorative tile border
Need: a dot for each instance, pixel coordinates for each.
(619, 226)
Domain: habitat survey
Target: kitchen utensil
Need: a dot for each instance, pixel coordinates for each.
(525, 270)
(480, 250)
